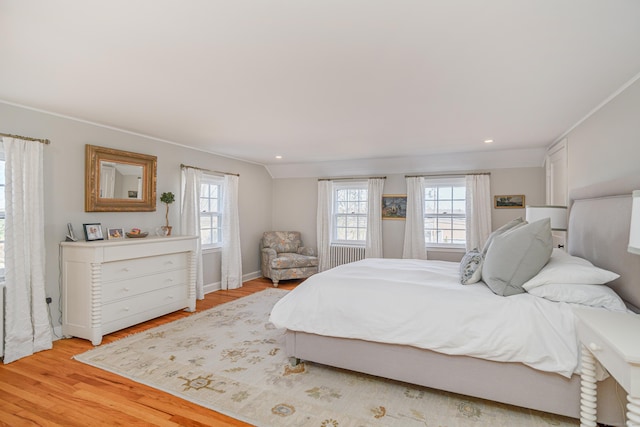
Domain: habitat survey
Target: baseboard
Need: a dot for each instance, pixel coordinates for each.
(216, 286)
(251, 276)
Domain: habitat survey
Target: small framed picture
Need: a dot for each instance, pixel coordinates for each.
(93, 231)
(115, 233)
(511, 201)
(394, 206)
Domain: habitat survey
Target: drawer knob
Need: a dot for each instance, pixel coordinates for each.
(126, 309)
(594, 347)
(125, 289)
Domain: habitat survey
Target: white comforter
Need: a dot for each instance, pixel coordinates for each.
(422, 304)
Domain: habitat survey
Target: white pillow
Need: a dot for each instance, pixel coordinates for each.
(565, 268)
(591, 295)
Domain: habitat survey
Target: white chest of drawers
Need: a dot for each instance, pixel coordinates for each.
(113, 284)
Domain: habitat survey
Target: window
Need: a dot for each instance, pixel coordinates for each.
(350, 212)
(211, 188)
(445, 212)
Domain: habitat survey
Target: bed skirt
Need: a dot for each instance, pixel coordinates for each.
(510, 383)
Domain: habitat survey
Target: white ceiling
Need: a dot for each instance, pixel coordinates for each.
(322, 80)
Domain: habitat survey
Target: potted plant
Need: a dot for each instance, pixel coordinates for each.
(167, 198)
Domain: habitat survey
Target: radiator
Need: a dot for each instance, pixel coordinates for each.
(345, 254)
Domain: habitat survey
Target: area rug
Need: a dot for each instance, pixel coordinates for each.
(231, 359)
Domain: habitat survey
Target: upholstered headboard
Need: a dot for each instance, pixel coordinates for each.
(599, 220)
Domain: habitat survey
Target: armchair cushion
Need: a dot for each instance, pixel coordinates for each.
(282, 241)
(306, 251)
(290, 260)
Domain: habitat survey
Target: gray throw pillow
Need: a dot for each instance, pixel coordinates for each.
(471, 267)
(516, 256)
(518, 222)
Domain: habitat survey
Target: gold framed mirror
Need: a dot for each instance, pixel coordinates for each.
(119, 181)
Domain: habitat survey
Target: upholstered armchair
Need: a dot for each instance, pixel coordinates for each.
(284, 257)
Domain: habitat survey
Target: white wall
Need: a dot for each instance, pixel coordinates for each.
(607, 145)
(295, 204)
(64, 187)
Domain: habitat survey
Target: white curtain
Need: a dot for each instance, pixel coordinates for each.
(373, 246)
(27, 328)
(414, 245)
(478, 210)
(107, 181)
(323, 224)
(190, 218)
(231, 253)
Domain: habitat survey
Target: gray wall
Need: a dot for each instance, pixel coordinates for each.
(607, 145)
(295, 203)
(64, 187)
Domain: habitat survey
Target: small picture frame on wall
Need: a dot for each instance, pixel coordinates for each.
(394, 206)
(115, 233)
(509, 201)
(93, 232)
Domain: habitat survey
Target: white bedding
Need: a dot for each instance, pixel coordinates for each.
(422, 304)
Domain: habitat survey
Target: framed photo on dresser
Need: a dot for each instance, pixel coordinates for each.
(115, 233)
(93, 232)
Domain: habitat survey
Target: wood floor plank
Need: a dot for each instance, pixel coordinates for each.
(121, 404)
(51, 389)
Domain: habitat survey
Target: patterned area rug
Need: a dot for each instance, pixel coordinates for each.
(231, 359)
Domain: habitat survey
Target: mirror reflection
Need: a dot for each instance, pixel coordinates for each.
(120, 181)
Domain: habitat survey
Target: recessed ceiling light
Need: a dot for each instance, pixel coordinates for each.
(278, 157)
(488, 141)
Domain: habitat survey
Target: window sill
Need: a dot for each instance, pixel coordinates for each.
(355, 245)
(446, 249)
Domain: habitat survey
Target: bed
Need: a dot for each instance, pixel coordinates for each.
(598, 232)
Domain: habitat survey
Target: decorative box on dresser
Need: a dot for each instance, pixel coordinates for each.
(612, 339)
(109, 285)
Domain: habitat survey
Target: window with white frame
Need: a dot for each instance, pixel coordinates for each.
(211, 188)
(350, 212)
(445, 217)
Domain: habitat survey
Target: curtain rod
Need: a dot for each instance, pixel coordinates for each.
(341, 179)
(447, 174)
(182, 166)
(26, 138)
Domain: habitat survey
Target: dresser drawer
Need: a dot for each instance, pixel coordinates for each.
(112, 291)
(136, 305)
(122, 270)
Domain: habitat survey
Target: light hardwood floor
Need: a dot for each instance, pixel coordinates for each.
(51, 389)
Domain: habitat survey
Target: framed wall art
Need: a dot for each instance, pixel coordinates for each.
(510, 201)
(394, 206)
